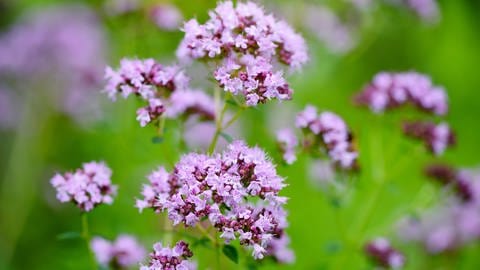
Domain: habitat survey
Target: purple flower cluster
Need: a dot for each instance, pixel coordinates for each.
(176, 258)
(436, 137)
(391, 90)
(327, 131)
(288, 142)
(124, 252)
(383, 254)
(456, 221)
(87, 187)
(249, 43)
(236, 191)
(165, 88)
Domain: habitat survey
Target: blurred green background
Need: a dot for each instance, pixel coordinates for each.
(393, 39)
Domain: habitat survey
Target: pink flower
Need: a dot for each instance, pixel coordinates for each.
(175, 258)
(437, 138)
(383, 254)
(241, 181)
(86, 187)
(249, 43)
(391, 90)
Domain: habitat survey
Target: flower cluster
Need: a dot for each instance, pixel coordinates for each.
(176, 258)
(165, 88)
(122, 253)
(329, 132)
(456, 221)
(288, 142)
(236, 191)
(383, 254)
(249, 43)
(391, 90)
(86, 187)
(436, 137)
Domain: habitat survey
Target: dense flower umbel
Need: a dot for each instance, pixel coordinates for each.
(87, 187)
(328, 132)
(122, 253)
(249, 44)
(456, 221)
(176, 258)
(165, 88)
(383, 254)
(391, 90)
(436, 137)
(236, 191)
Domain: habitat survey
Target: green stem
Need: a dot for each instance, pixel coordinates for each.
(167, 230)
(86, 237)
(205, 233)
(218, 129)
(234, 118)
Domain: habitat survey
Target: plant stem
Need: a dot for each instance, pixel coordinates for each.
(86, 237)
(205, 233)
(234, 118)
(219, 120)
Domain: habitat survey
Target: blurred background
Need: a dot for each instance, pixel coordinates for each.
(53, 117)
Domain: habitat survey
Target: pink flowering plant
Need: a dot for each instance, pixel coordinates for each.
(184, 135)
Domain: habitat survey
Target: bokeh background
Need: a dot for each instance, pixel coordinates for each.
(42, 132)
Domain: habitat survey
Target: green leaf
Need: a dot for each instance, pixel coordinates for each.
(231, 253)
(227, 137)
(157, 139)
(69, 235)
(204, 242)
(232, 102)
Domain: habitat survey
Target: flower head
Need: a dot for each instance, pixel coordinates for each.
(249, 43)
(391, 90)
(164, 88)
(165, 258)
(437, 138)
(87, 187)
(324, 132)
(236, 191)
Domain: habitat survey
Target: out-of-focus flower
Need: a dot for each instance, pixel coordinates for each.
(455, 222)
(175, 258)
(391, 90)
(60, 49)
(87, 187)
(124, 252)
(327, 132)
(288, 142)
(426, 9)
(383, 254)
(249, 43)
(336, 35)
(165, 88)
(166, 16)
(437, 138)
(321, 173)
(236, 191)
